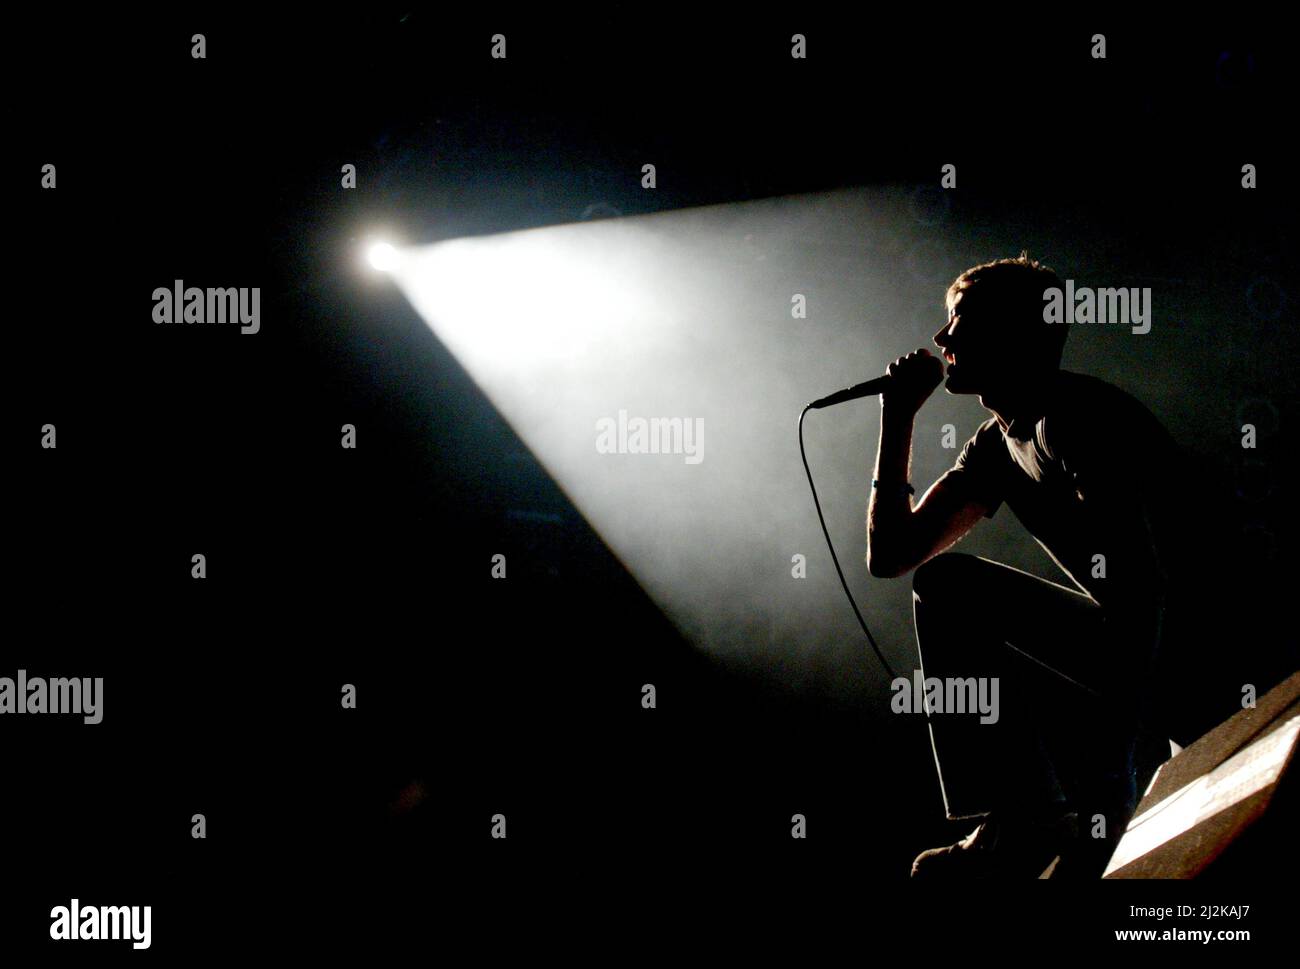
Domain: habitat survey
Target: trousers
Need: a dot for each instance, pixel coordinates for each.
(1067, 735)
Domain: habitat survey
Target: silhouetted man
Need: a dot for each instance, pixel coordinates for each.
(1087, 470)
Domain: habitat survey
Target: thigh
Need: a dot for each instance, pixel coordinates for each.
(1048, 625)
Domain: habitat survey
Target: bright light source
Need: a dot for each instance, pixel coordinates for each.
(384, 257)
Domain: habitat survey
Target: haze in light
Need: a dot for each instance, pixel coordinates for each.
(688, 315)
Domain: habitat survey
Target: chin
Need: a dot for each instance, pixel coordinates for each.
(956, 384)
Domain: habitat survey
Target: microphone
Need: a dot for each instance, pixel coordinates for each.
(868, 389)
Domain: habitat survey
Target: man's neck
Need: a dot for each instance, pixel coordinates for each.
(1025, 402)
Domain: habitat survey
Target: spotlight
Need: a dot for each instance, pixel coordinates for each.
(383, 257)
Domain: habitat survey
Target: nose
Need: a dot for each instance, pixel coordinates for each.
(942, 338)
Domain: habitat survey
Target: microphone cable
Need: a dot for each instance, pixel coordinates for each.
(834, 558)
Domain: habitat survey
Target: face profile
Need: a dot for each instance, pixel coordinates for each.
(970, 348)
(986, 346)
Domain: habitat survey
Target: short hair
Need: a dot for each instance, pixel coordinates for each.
(1015, 288)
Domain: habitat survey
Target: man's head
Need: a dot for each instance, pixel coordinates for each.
(995, 338)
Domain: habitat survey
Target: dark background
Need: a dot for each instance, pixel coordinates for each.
(327, 827)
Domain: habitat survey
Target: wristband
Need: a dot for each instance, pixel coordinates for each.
(903, 489)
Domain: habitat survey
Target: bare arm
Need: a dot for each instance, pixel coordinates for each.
(900, 537)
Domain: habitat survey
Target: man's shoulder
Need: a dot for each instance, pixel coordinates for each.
(1082, 402)
(985, 435)
(982, 466)
(1090, 416)
(985, 445)
(1083, 390)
